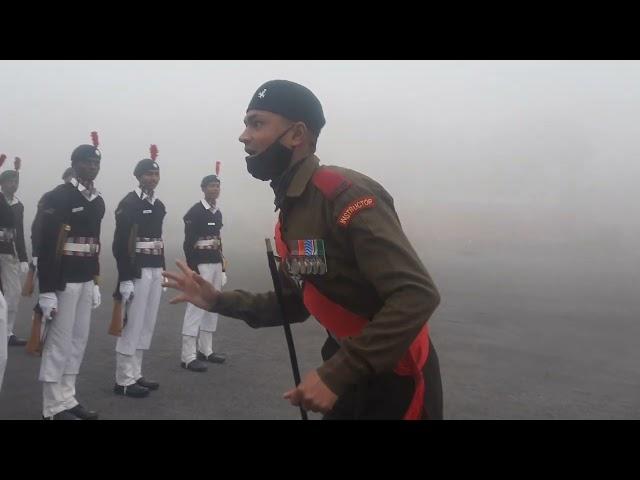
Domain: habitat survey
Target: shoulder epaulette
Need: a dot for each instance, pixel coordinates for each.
(330, 182)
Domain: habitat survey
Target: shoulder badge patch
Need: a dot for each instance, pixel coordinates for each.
(354, 208)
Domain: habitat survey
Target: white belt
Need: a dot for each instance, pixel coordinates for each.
(213, 242)
(150, 245)
(82, 247)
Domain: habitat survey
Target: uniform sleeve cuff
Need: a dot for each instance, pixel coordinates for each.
(338, 374)
(225, 301)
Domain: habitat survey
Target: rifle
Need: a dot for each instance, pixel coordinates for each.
(117, 316)
(39, 328)
(29, 282)
(287, 328)
(39, 325)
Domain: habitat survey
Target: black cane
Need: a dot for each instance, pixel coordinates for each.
(285, 321)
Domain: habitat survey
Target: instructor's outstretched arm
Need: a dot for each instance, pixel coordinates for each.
(258, 310)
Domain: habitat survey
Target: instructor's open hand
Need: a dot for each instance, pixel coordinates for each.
(194, 288)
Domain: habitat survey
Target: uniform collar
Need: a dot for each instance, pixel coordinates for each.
(143, 196)
(14, 201)
(207, 206)
(302, 176)
(89, 193)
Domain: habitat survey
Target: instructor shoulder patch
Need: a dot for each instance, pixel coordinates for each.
(354, 208)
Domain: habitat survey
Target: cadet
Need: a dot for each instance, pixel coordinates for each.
(139, 251)
(13, 254)
(203, 251)
(7, 224)
(36, 238)
(68, 271)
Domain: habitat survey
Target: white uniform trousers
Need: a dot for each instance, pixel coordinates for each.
(3, 337)
(200, 323)
(11, 286)
(142, 314)
(64, 346)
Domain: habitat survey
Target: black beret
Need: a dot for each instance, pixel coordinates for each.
(8, 175)
(85, 152)
(291, 100)
(145, 165)
(209, 179)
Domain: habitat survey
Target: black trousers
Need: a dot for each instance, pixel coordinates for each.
(387, 396)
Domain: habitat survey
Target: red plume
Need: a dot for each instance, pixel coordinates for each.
(154, 152)
(17, 163)
(217, 169)
(3, 157)
(94, 139)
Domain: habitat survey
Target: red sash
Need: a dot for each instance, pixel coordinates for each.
(343, 323)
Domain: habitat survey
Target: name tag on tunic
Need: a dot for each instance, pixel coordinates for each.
(211, 223)
(77, 209)
(147, 211)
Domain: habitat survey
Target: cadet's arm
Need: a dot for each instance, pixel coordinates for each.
(121, 241)
(21, 248)
(50, 230)
(189, 242)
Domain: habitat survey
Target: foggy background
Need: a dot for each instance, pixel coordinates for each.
(514, 180)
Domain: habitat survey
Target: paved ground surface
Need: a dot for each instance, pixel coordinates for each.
(510, 347)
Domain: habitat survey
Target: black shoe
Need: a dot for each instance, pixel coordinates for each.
(64, 415)
(195, 366)
(148, 384)
(16, 342)
(82, 413)
(213, 358)
(133, 390)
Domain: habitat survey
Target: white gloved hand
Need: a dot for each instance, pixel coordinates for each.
(24, 267)
(34, 262)
(49, 304)
(126, 290)
(224, 278)
(97, 298)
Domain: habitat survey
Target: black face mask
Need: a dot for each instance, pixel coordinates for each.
(272, 162)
